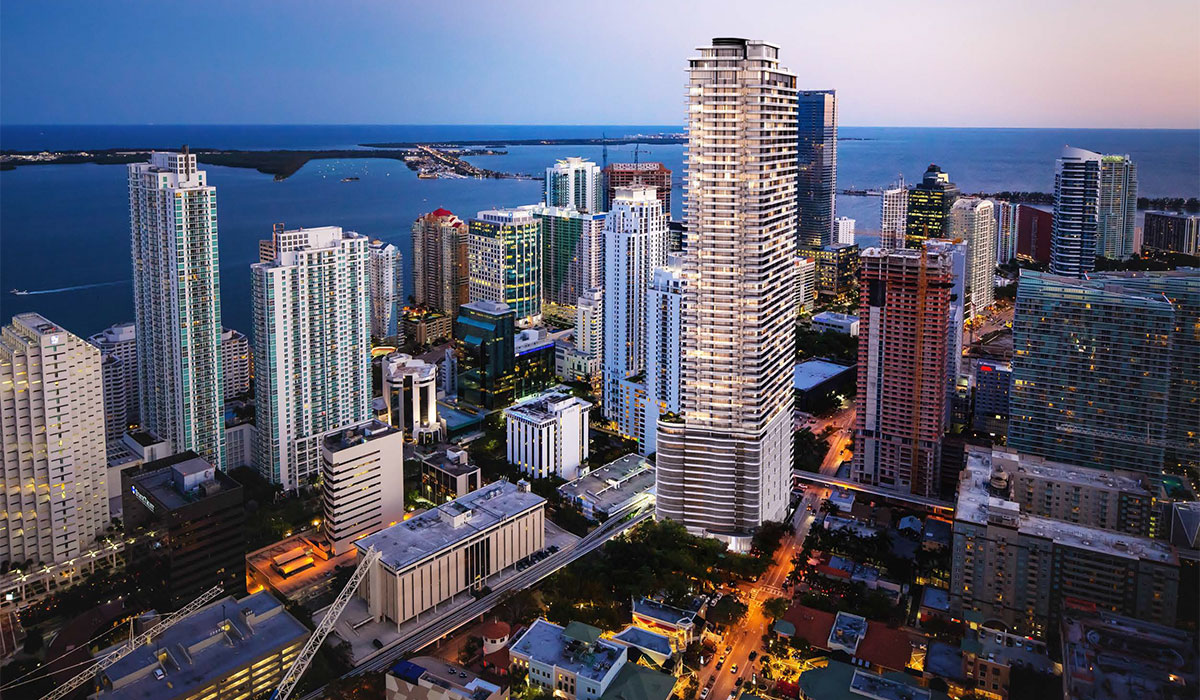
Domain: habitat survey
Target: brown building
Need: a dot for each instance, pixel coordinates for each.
(426, 327)
(1033, 233)
(440, 272)
(654, 175)
(905, 321)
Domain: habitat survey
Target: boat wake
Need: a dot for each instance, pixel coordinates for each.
(26, 292)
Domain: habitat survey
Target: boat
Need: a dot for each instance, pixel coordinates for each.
(350, 179)
(20, 292)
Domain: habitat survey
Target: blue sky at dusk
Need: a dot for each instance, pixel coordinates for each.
(1064, 63)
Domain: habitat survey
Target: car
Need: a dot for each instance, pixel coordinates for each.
(553, 548)
(158, 674)
(752, 655)
(738, 683)
(703, 692)
(451, 669)
(719, 662)
(733, 668)
(462, 674)
(728, 649)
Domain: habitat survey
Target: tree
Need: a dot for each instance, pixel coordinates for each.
(728, 611)
(776, 608)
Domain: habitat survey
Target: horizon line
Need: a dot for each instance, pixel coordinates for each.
(681, 127)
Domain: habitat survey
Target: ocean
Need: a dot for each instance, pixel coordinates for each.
(64, 228)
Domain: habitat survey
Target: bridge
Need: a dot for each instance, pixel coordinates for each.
(935, 504)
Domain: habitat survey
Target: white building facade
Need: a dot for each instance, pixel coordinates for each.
(664, 349)
(893, 215)
(52, 426)
(843, 230)
(974, 221)
(806, 284)
(410, 393)
(548, 435)
(177, 303)
(724, 464)
(386, 273)
(574, 182)
(118, 353)
(362, 482)
(1118, 207)
(312, 344)
(1076, 229)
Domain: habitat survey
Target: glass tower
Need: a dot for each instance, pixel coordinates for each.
(816, 172)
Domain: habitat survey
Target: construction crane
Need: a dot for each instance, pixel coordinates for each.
(305, 657)
(70, 686)
(637, 150)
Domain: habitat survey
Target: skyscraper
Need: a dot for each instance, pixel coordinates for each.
(235, 363)
(1035, 230)
(1118, 207)
(929, 206)
(664, 349)
(974, 221)
(893, 215)
(903, 335)
(385, 275)
(816, 173)
(485, 350)
(1006, 230)
(1093, 365)
(52, 429)
(312, 344)
(1169, 232)
(574, 182)
(505, 255)
(724, 463)
(589, 338)
(844, 230)
(635, 242)
(1073, 242)
(440, 269)
(654, 175)
(177, 303)
(572, 257)
(118, 358)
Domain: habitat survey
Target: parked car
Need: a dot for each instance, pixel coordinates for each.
(733, 669)
(704, 692)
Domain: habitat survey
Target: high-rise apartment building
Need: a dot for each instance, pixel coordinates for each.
(1035, 230)
(440, 269)
(118, 357)
(52, 421)
(974, 221)
(816, 171)
(235, 362)
(929, 206)
(1170, 232)
(635, 243)
(1020, 565)
(1100, 369)
(177, 303)
(724, 463)
(385, 275)
(589, 338)
(485, 353)
(312, 344)
(572, 257)
(904, 334)
(1117, 207)
(654, 175)
(664, 348)
(505, 254)
(1074, 241)
(1006, 230)
(837, 270)
(893, 215)
(574, 182)
(843, 227)
(806, 284)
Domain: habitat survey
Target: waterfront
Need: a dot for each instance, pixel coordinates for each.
(66, 226)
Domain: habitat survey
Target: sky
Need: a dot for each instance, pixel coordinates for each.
(1016, 63)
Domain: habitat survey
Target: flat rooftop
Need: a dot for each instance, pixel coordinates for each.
(835, 317)
(1019, 464)
(157, 480)
(613, 484)
(546, 406)
(975, 503)
(356, 435)
(667, 614)
(645, 639)
(848, 630)
(1110, 657)
(220, 638)
(841, 681)
(411, 541)
(810, 373)
(547, 643)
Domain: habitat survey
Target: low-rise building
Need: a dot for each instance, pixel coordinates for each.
(425, 327)
(870, 644)
(362, 467)
(989, 656)
(429, 559)
(197, 515)
(681, 626)
(818, 382)
(574, 662)
(846, 324)
(536, 361)
(834, 680)
(446, 474)
(427, 678)
(1110, 657)
(227, 650)
(549, 435)
(609, 489)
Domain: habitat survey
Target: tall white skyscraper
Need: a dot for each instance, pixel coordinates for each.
(118, 358)
(575, 182)
(312, 345)
(52, 429)
(1073, 240)
(974, 221)
(635, 242)
(177, 303)
(724, 464)
(664, 349)
(1006, 230)
(843, 230)
(1118, 207)
(386, 274)
(893, 215)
